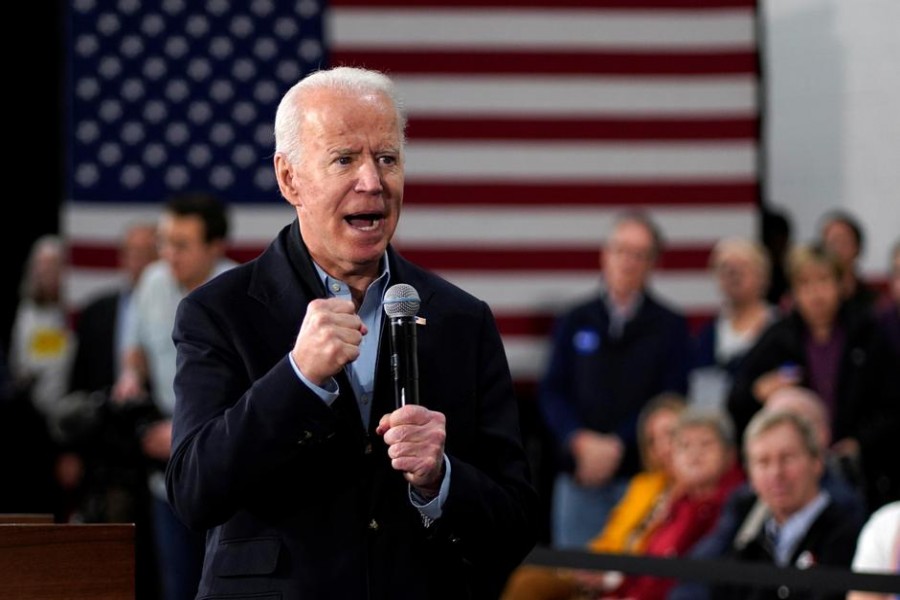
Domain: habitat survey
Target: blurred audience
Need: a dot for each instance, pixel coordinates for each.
(609, 357)
(42, 343)
(795, 523)
(629, 522)
(843, 236)
(101, 341)
(192, 241)
(742, 269)
(842, 356)
(878, 548)
(106, 471)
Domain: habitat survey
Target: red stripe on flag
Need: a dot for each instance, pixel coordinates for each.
(540, 259)
(553, 63)
(106, 256)
(599, 194)
(692, 5)
(542, 128)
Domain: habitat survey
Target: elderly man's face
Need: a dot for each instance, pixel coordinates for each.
(782, 471)
(349, 181)
(628, 258)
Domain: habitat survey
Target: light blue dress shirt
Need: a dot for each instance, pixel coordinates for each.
(792, 531)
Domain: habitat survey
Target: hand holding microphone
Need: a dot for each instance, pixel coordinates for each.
(414, 434)
(415, 439)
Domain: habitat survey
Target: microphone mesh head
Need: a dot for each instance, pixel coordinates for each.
(401, 300)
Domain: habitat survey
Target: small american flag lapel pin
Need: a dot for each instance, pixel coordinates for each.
(805, 560)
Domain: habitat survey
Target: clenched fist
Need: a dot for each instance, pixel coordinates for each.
(329, 338)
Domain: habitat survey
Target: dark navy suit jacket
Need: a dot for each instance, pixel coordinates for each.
(299, 500)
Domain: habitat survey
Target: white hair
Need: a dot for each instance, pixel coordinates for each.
(350, 79)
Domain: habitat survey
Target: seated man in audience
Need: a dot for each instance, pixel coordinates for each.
(796, 523)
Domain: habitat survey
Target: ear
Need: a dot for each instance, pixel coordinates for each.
(284, 173)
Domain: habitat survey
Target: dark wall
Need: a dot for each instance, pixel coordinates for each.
(33, 142)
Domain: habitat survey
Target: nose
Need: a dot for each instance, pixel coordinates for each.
(369, 178)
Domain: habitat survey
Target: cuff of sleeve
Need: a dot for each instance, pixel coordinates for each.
(327, 394)
(431, 509)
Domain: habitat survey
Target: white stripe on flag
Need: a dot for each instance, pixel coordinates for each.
(550, 162)
(578, 96)
(503, 29)
(526, 293)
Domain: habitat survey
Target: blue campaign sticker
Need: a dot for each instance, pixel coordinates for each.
(586, 341)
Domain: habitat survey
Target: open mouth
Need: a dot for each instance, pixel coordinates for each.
(365, 221)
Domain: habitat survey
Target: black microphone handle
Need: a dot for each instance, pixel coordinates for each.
(404, 360)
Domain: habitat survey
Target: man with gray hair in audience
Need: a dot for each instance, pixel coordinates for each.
(792, 520)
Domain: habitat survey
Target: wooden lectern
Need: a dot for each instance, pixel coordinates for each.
(67, 561)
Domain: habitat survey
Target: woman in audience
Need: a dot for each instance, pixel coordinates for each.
(705, 472)
(839, 354)
(42, 342)
(742, 271)
(627, 527)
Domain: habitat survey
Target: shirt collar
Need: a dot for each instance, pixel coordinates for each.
(795, 527)
(334, 286)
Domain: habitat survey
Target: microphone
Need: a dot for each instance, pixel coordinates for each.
(401, 301)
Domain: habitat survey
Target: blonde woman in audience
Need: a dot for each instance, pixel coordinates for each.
(842, 356)
(742, 270)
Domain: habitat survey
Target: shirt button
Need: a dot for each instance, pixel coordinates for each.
(335, 287)
(364, 399)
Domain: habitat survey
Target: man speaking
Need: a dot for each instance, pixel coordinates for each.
(287, 446)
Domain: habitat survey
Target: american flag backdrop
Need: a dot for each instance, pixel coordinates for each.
(531, 126)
